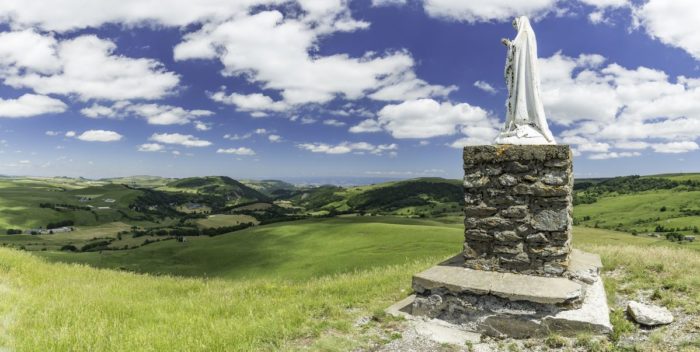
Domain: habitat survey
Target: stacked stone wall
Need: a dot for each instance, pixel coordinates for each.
(518, 208)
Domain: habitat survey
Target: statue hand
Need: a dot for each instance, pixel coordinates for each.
(506, 42)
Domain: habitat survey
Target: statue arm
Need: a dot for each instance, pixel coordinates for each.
(506, 42)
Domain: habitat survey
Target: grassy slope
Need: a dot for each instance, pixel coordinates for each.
(640, 210)
(20, 199)
(54, 306)
(297, 250)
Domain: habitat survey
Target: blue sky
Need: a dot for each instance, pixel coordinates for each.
(279, 89)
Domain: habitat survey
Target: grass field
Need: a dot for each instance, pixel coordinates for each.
(219, 220)
(642, 211)
(302, 287)
(293, 250)
(20, 200)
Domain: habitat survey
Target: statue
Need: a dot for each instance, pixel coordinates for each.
(525, 120)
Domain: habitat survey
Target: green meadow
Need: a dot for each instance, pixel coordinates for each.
(290, 286)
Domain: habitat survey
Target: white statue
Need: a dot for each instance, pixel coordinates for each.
(525, 120)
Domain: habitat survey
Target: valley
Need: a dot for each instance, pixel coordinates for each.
(272, 266)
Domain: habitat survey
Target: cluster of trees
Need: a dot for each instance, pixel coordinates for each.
(57, 224)
(192, 231)
(662, 228)
(632, 184)
(406, 194)
(61, 206)
(676, 237)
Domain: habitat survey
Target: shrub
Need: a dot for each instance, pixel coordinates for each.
(14, 231)
(69, 248)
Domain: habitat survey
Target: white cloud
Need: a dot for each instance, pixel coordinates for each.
(202, 126)
(70, 15)
(487, 10)
(388, 2)
(70, 134)
(154, 114)
(366, 126)
(52, 133)
(347, 147)
(334, 122)
(237, 151)
(255, 102)
(675, 147)
(613, 155)
(151, 147)
(99, 136)
(166, 115)
(85, 67)
(606, 3)
(426, 118)
(274, 138)
(236, 137)
(29, 105)
(180, 139)
(278, 53)
(672, 22)
(260, 131)
(607, 106)
(28, 50)
(485, 86)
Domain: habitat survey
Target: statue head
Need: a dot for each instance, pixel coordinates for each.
(521, 22)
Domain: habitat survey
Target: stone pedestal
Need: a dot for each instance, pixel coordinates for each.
(518, 275)
(518, 208)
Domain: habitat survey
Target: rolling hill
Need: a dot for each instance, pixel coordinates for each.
(293, 286)
(234, 191)
(421, 197)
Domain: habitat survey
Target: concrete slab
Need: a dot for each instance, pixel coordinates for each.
(514, 287)
(583, 266)
(592, 317)
(435, 330)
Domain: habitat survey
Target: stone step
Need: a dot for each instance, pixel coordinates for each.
(514, 287)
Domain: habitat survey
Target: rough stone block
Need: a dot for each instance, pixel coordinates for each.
(518, 197)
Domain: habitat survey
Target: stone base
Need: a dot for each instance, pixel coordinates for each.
(513, 305)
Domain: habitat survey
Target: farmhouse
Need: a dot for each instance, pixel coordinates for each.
(41, 231)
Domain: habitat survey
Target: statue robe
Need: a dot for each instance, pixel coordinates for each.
(525, 121)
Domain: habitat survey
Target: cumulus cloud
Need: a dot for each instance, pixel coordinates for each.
(29, 105)
(388, 2)
(274, 138)
(675, 147)
(151, 147)
(70, 134)
(277, 52)
(99, 136)
(255, 102)
(85, 67)
(613, 155)
(186, 140)
(202, 126)
(366, 126)
(71, 15)
(154, 114)
(485, 86)
(672, 22)
(347, 147)
(237, 151)
(487, 10)
(605, 106)
(426, 118)
(334, 122)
